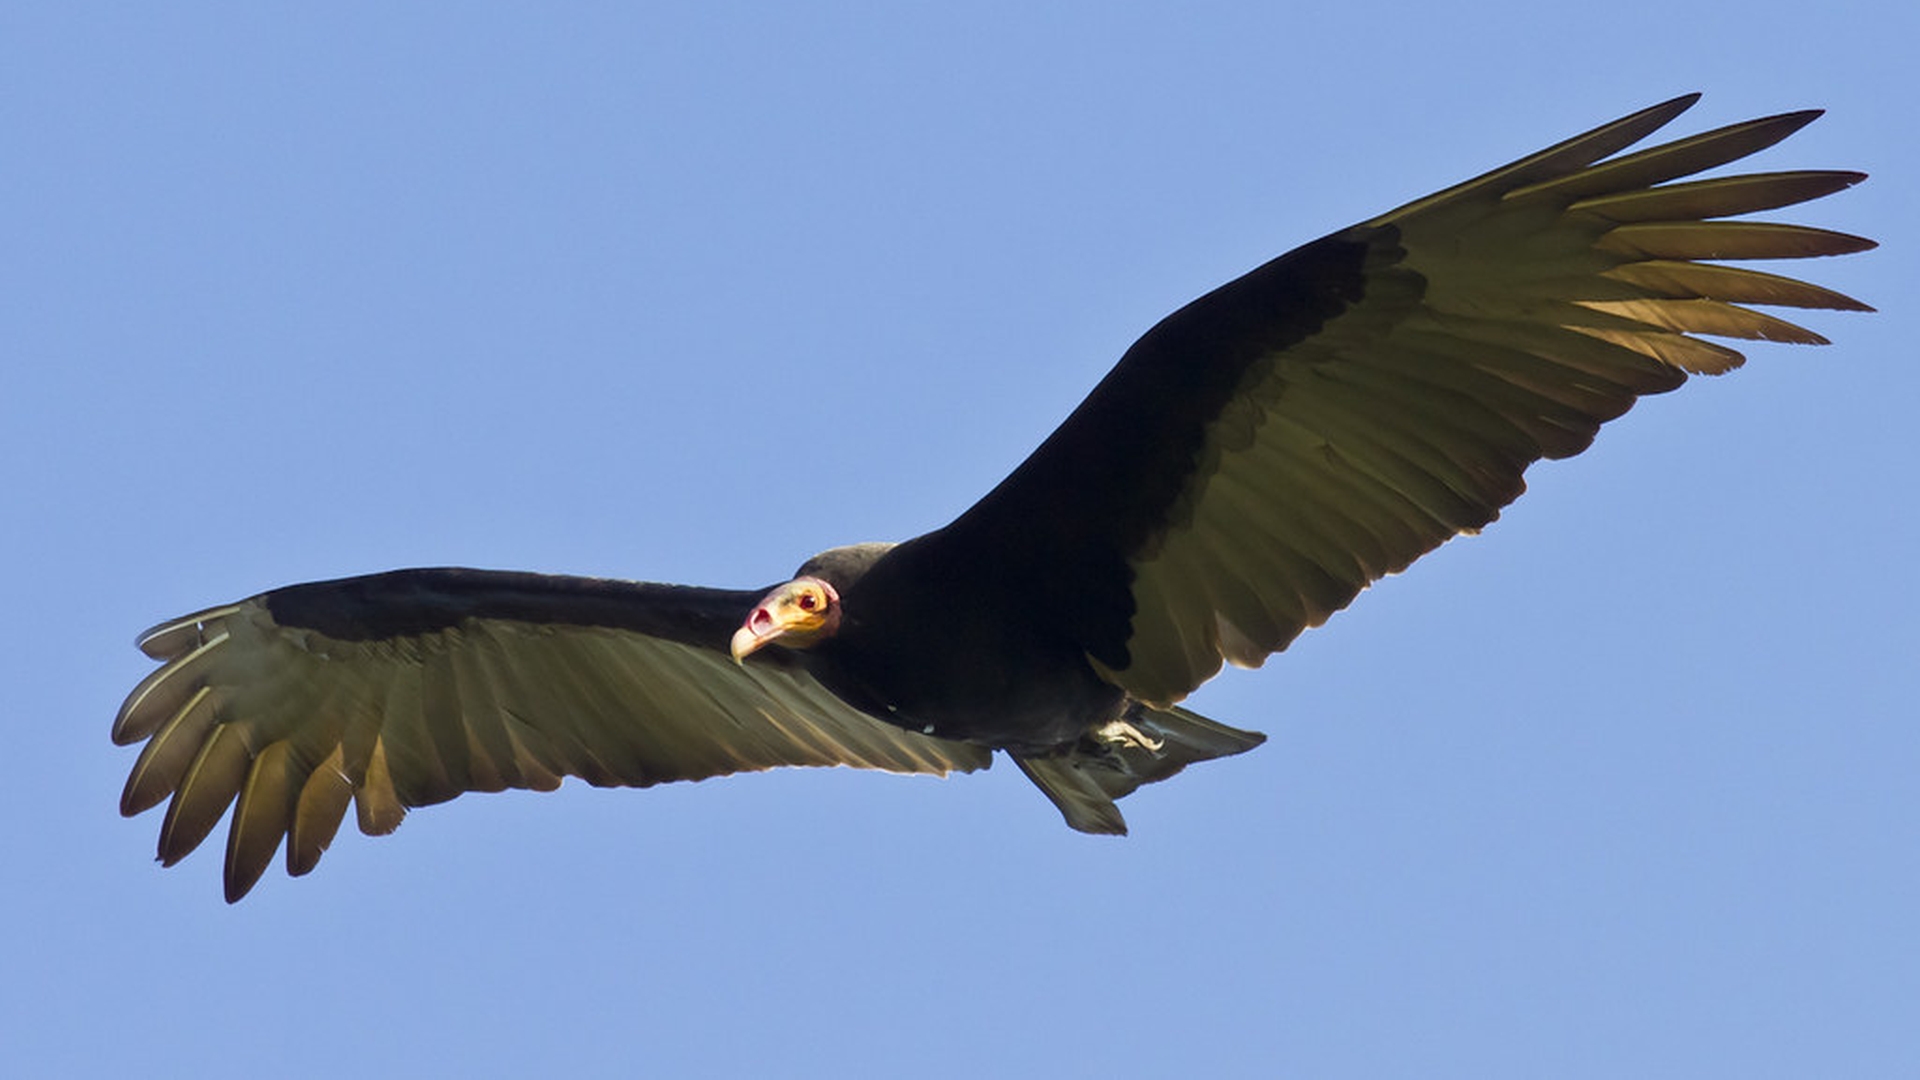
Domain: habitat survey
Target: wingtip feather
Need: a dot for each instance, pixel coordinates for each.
(259, 819)
(170, 639)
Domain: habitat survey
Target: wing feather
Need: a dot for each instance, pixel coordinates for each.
(164, 761)
(1728, 240)
(400, 691)
(1725, 286)
(317, 813)
(1724, 196)
(205, 791)
(261, 816)
(377, 804)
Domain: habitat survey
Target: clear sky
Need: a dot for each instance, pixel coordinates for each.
(1627, 786)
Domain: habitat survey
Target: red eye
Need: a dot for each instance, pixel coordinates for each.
(809, 601)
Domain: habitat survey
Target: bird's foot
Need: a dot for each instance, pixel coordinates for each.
(1124, 733)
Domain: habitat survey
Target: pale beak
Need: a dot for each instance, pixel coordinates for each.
(759, 629)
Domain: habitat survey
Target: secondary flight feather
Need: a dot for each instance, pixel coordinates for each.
(1251, 464)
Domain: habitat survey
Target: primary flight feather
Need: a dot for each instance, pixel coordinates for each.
(1251, 464)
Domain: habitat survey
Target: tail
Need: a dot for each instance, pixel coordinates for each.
(1144, 746)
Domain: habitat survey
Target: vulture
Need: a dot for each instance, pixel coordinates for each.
(1251, 464)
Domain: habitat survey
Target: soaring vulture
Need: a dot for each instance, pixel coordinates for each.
(1253, 462)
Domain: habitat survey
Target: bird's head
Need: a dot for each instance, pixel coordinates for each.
(799, 614)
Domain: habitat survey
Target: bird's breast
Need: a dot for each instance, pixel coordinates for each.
(991, 689)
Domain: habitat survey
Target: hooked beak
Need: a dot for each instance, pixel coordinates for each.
(755, 632)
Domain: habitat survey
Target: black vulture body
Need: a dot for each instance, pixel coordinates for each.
(936, 647)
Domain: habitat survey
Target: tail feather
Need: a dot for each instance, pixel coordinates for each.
(1146, 746)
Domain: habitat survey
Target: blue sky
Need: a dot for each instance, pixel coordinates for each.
(1624, 787)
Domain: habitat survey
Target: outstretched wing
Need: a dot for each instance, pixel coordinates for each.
(405, 689)
(1264, 453)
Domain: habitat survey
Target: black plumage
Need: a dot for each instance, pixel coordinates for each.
(1252, 463)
